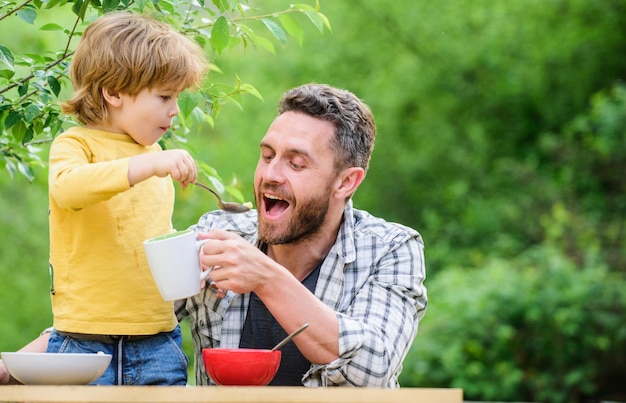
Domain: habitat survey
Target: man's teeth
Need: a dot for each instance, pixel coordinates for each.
(273, 197)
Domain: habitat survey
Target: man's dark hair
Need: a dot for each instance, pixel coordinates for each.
(355, 128)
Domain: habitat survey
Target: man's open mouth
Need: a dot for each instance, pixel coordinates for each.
(274, 205)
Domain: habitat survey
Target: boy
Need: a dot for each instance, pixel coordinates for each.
(110, 188)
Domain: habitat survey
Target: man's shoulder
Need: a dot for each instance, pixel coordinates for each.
(366, 224)
(244, 224)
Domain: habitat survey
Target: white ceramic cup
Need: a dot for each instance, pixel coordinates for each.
(175, 264)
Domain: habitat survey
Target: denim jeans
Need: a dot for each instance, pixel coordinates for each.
(154, 360)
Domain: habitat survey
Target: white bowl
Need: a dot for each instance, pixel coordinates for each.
(56, 369)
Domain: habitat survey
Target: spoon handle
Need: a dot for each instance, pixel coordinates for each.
(207, 188)
(291, 336)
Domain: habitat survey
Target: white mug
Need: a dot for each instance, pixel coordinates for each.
(175, 264)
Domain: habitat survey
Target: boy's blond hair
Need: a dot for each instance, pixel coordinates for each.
(128, 53)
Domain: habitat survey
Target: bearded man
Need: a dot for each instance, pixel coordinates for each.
(306, 255)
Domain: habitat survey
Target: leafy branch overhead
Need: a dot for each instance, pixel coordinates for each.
(32, 85)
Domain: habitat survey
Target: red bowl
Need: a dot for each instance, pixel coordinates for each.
(241, 366)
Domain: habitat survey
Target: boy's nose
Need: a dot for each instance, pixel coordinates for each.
(175, 110)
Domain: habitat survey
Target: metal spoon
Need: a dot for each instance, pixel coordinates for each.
(230, 207)
(291, 336)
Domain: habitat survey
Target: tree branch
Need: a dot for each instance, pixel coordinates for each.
(15, 10)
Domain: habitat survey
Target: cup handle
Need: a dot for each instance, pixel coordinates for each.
(203, 274)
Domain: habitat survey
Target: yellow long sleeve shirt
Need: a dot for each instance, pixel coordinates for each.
(101, 281)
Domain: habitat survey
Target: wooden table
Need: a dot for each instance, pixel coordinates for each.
(226, 394)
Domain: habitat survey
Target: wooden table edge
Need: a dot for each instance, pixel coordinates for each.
(226, 394)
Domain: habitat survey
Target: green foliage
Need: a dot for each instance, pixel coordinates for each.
(589, 156)
(464, 100)
(469, 121)
(501, 129)
(33, 80)
(29, 112)
(536, 328)
(502, 126)
(25, 298)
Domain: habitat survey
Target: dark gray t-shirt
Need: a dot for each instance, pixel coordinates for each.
(261, 330)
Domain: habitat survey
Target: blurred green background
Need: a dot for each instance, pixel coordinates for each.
(501, 138)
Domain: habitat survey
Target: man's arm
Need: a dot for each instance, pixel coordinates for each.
(378, 326)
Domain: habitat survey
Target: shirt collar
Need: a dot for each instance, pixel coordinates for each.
(344, 246)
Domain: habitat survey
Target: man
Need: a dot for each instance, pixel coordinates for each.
(307, 256)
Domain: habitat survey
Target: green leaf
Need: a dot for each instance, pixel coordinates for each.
(209, 120)
(167, 6)
(258, 40)
(215, 68)
(275, 29)
(19, 130)
(222, 5)
(110, 5)
(22, 89)
(27, 15)
(12, 118)
(318, 19)
(197, 116)
(265, 43)
(6, 73)
(32, 58)
(6, 57)
(28, 135)
(52, 117)
(292, 27)
(188, 101)
(31, 112)
(220, 34)
(80, 8)
(53, 3)
(51, 27)
(250, 89)
(201, 39)
(26, 170)
(37, 126)
(235, 193)
(54, 84)
(141, 4)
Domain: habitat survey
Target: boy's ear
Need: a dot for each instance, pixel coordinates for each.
(111, 97)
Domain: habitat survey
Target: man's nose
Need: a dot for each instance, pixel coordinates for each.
(274, 171)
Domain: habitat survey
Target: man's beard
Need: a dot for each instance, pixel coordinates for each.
(306, 220)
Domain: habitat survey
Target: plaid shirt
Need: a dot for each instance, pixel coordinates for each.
(372, 278)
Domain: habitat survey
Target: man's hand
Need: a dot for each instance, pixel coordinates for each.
(235, 264)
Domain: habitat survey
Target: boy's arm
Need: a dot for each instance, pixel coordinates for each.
(177, 163)
(39, 345)
(76, 182)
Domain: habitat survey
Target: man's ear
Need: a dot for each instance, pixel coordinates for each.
(349, 181)
(113, 98)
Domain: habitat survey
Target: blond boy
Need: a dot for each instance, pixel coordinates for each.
(110, 188)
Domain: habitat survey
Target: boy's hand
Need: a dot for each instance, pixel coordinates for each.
(177, 163)
(4, 374)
